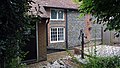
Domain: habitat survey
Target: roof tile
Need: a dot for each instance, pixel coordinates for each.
(68, 4)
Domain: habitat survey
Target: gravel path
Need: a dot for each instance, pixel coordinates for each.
(62, 60)
(104, 50)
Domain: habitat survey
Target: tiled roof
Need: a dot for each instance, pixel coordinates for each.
(43, 13)
(39, 10)
(67, 4)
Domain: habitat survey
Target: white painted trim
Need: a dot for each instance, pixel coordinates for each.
(37, 39)
(56, 41)
(57, 19)
(57, 35)
(57, 15)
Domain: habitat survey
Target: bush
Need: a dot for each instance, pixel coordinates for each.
(103, 62)
(15, 26)
(16, 63)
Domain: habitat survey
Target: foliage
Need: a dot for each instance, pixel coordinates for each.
(75, 60)
(16, 63)
(97, 62)
(106, 11)
(103, 62)
(14, 23)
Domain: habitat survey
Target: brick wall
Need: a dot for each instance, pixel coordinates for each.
(42, 40)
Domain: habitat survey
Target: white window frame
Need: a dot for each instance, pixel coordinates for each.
(57, 35)
(57, 14)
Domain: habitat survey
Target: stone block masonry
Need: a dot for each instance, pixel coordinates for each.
(74, 26)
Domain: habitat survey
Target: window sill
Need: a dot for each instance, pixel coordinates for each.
(57, 20)
(56, 41)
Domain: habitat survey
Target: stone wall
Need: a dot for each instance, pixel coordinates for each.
(96, 31)
(58, 45)
(74, 26)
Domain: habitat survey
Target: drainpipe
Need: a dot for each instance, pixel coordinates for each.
(47, 31)
(37, 40)
(66, 31)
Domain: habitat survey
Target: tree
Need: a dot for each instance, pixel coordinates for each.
(14, 22)
(106, 11)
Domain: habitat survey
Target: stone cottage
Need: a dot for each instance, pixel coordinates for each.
(64, 26)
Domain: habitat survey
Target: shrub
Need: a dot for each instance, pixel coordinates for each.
(103, 62)
(16, 63)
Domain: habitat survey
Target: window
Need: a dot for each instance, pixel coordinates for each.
(57, 14)
(57, 34)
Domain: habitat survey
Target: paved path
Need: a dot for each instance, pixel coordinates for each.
(54, 56)
(50, 58)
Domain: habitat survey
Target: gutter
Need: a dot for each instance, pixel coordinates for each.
(61, 7)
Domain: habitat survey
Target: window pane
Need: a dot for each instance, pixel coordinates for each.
(60, 34)
(60, 14)
(53, 14)
(53, 34)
